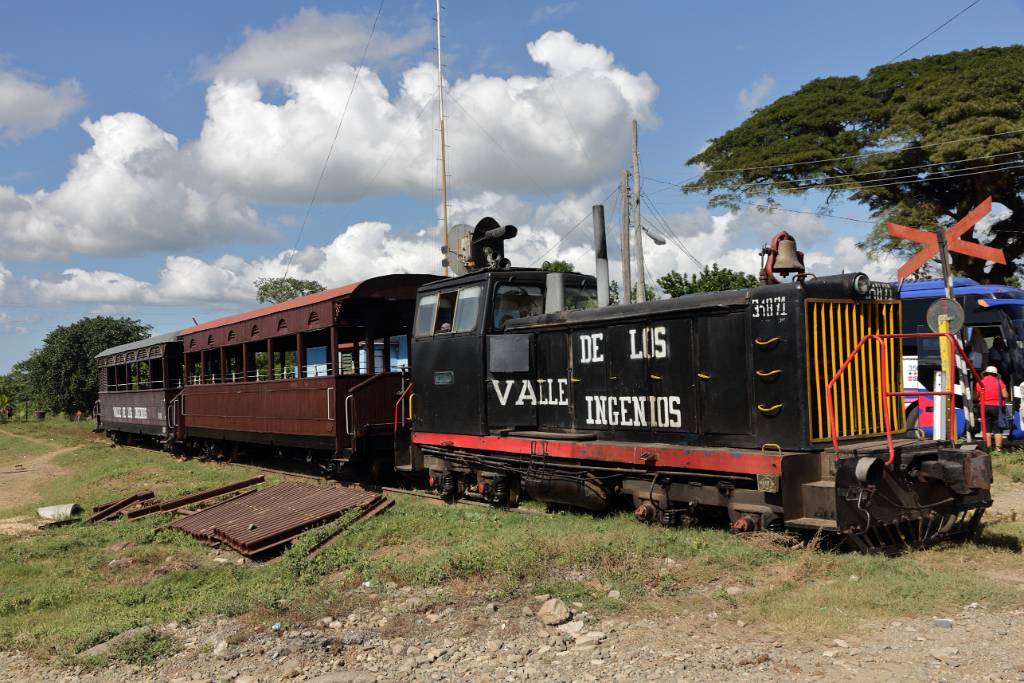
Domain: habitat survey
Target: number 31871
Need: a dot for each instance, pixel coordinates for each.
(774, 307)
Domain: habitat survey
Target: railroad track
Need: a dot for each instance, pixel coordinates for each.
(385, 489)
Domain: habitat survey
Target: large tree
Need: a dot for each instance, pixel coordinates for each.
(62, 374)
(711, 279)
(274, 290)
(919, 142)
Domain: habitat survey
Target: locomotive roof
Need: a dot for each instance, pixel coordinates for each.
(398, 284)
(141, 344)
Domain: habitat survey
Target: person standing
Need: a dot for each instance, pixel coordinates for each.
(992, 394)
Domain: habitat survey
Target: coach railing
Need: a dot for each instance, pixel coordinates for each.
(885, 393)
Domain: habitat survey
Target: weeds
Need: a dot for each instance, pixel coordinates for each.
(59, 594)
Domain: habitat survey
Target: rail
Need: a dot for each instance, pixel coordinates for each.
(398, 405)
(883, 386)
(359, 415)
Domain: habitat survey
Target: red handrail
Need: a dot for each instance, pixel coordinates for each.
(883, 386)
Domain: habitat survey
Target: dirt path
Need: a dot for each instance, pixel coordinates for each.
(20, 482)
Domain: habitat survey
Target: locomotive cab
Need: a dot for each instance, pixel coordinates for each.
(458, 332)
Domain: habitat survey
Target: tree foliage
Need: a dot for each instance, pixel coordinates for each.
(274, 290)
(918, 142)
(558, 267)
(711, 279)
(61, 376)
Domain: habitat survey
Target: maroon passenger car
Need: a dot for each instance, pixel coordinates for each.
(316, 376)
(136, 383)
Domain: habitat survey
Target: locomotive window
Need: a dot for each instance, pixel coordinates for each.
(467, 310)
(580, 297)
(517, 301)
(425, 315)
(445, 312)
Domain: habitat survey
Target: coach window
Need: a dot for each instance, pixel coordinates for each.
(517, 301)
(143, 374)
(425, 315)
(156, 372)
(467, 309)
(233, 363)
(315, 346)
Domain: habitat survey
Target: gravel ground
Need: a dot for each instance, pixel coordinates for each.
(400, 639)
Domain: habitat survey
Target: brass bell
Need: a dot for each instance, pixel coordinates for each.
(787, 260)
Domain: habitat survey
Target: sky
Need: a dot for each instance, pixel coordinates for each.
(155, 159)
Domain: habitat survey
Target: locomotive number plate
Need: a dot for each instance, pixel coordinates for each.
(772, 307)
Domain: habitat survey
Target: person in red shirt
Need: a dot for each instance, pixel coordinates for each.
(992, 400)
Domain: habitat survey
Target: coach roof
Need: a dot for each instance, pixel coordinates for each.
(141, 344)
(385, 286)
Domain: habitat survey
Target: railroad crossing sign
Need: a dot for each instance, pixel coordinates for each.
(951, 237)
(947, 310)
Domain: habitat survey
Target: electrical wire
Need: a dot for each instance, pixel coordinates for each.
(572, 229)
(533, 180)
(933, 31)
(863, 155)
(669, 233)
(844, 184)
(334, 141)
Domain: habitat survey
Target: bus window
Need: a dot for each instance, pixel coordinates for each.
(517, 301)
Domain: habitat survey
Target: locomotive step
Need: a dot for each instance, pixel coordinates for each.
(812, 523)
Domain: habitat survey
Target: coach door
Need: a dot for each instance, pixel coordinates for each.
(723, 374)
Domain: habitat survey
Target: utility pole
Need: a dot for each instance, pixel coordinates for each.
(444, 165)
(626, 284)
(641, 282)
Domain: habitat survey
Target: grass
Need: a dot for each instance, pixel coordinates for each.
(1009, 464)
(58, 595)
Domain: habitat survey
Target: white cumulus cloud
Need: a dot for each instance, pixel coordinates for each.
(134, 190)
(561, 131)
(28, 107)
(300, 44)
(753, 97)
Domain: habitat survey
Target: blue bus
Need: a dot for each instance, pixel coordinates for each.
(994, 333)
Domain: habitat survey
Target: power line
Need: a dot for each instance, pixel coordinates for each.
(934, 31)
(572, 229)
(334, 141)
(850, 183)
(862, 155)
(536, 184)
(908, 179)
(668, 232)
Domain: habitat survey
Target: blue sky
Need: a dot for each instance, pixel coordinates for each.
(154, 159)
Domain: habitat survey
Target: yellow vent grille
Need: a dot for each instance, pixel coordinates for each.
(833, 330)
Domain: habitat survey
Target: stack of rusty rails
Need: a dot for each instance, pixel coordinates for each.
(115, 507)
(260, 521)
(176, 503)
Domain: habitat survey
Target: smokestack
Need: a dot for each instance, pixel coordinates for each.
(601, 252)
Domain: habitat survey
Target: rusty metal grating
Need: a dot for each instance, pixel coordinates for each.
(259, 521)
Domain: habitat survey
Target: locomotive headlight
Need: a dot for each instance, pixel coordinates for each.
(861, 284)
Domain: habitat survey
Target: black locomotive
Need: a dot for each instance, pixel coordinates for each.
(709, 401)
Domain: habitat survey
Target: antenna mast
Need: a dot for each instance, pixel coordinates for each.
(444, 165)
